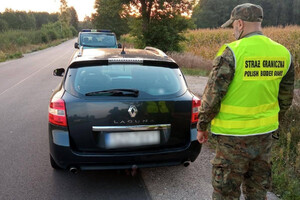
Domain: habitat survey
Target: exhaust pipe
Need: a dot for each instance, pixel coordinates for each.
(186, 163)
(74, 170)
(134, 169)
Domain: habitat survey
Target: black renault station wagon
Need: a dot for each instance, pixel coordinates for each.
(115, 109)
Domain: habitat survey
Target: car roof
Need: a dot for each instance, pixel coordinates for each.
(95, 31)
(98, 33)
(122, 56)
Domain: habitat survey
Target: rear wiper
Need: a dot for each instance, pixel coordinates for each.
(85, 45)
(98, 46)
(115, 92)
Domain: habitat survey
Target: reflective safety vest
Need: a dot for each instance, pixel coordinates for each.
(250, 106)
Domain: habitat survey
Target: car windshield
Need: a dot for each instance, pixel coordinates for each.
(97, 40)
(148, 80)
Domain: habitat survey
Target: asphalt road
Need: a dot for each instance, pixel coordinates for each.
(25, 172)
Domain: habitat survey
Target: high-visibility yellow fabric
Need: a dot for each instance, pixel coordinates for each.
(250, 106)
(246, 111)
(247, 123)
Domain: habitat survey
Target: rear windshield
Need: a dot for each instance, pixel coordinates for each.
(97, 40)
(150, 81)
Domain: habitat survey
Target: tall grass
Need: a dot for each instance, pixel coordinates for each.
(286, 155)
(206, 42)
(189, 60)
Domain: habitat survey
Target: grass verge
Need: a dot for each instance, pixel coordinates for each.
(286, 154)
(15, 43)
(11, 54)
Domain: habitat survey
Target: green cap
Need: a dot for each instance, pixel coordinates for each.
(246, 12)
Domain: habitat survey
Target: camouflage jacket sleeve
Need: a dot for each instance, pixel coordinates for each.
(286, 91)
(216, 88)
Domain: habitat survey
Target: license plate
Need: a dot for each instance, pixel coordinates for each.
(131, 139)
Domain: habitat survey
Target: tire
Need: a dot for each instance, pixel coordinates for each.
(53, 163)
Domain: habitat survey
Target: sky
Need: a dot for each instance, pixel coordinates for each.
(82, 7)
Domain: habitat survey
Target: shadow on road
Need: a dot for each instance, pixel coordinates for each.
(97, 185)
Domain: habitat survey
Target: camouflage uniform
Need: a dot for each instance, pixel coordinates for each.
(239, 160)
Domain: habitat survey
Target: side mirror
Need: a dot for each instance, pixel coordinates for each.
(119, 45)
(59, 72)
(76, 45)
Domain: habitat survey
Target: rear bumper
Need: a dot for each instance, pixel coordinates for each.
(65, 157)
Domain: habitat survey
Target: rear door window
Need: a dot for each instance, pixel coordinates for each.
(148, 80)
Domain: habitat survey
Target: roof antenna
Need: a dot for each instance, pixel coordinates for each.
(123, 52)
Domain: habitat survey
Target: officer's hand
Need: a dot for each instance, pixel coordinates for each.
(202, 136)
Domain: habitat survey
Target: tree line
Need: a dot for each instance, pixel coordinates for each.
(22, 20)
(33, 29)
(213, 13)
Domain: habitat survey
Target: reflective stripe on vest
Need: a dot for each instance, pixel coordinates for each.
(250, 105)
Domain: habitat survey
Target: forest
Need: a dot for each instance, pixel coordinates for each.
(212, 14)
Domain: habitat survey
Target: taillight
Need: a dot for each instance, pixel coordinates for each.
(57, 112)
(196, 103)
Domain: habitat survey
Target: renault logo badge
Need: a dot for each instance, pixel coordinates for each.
(132, 111)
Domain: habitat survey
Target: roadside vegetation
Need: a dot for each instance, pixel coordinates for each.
(205, 43)
(23, 32)
(14, 43)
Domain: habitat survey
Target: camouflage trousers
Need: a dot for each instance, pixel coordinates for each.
(242, 161)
